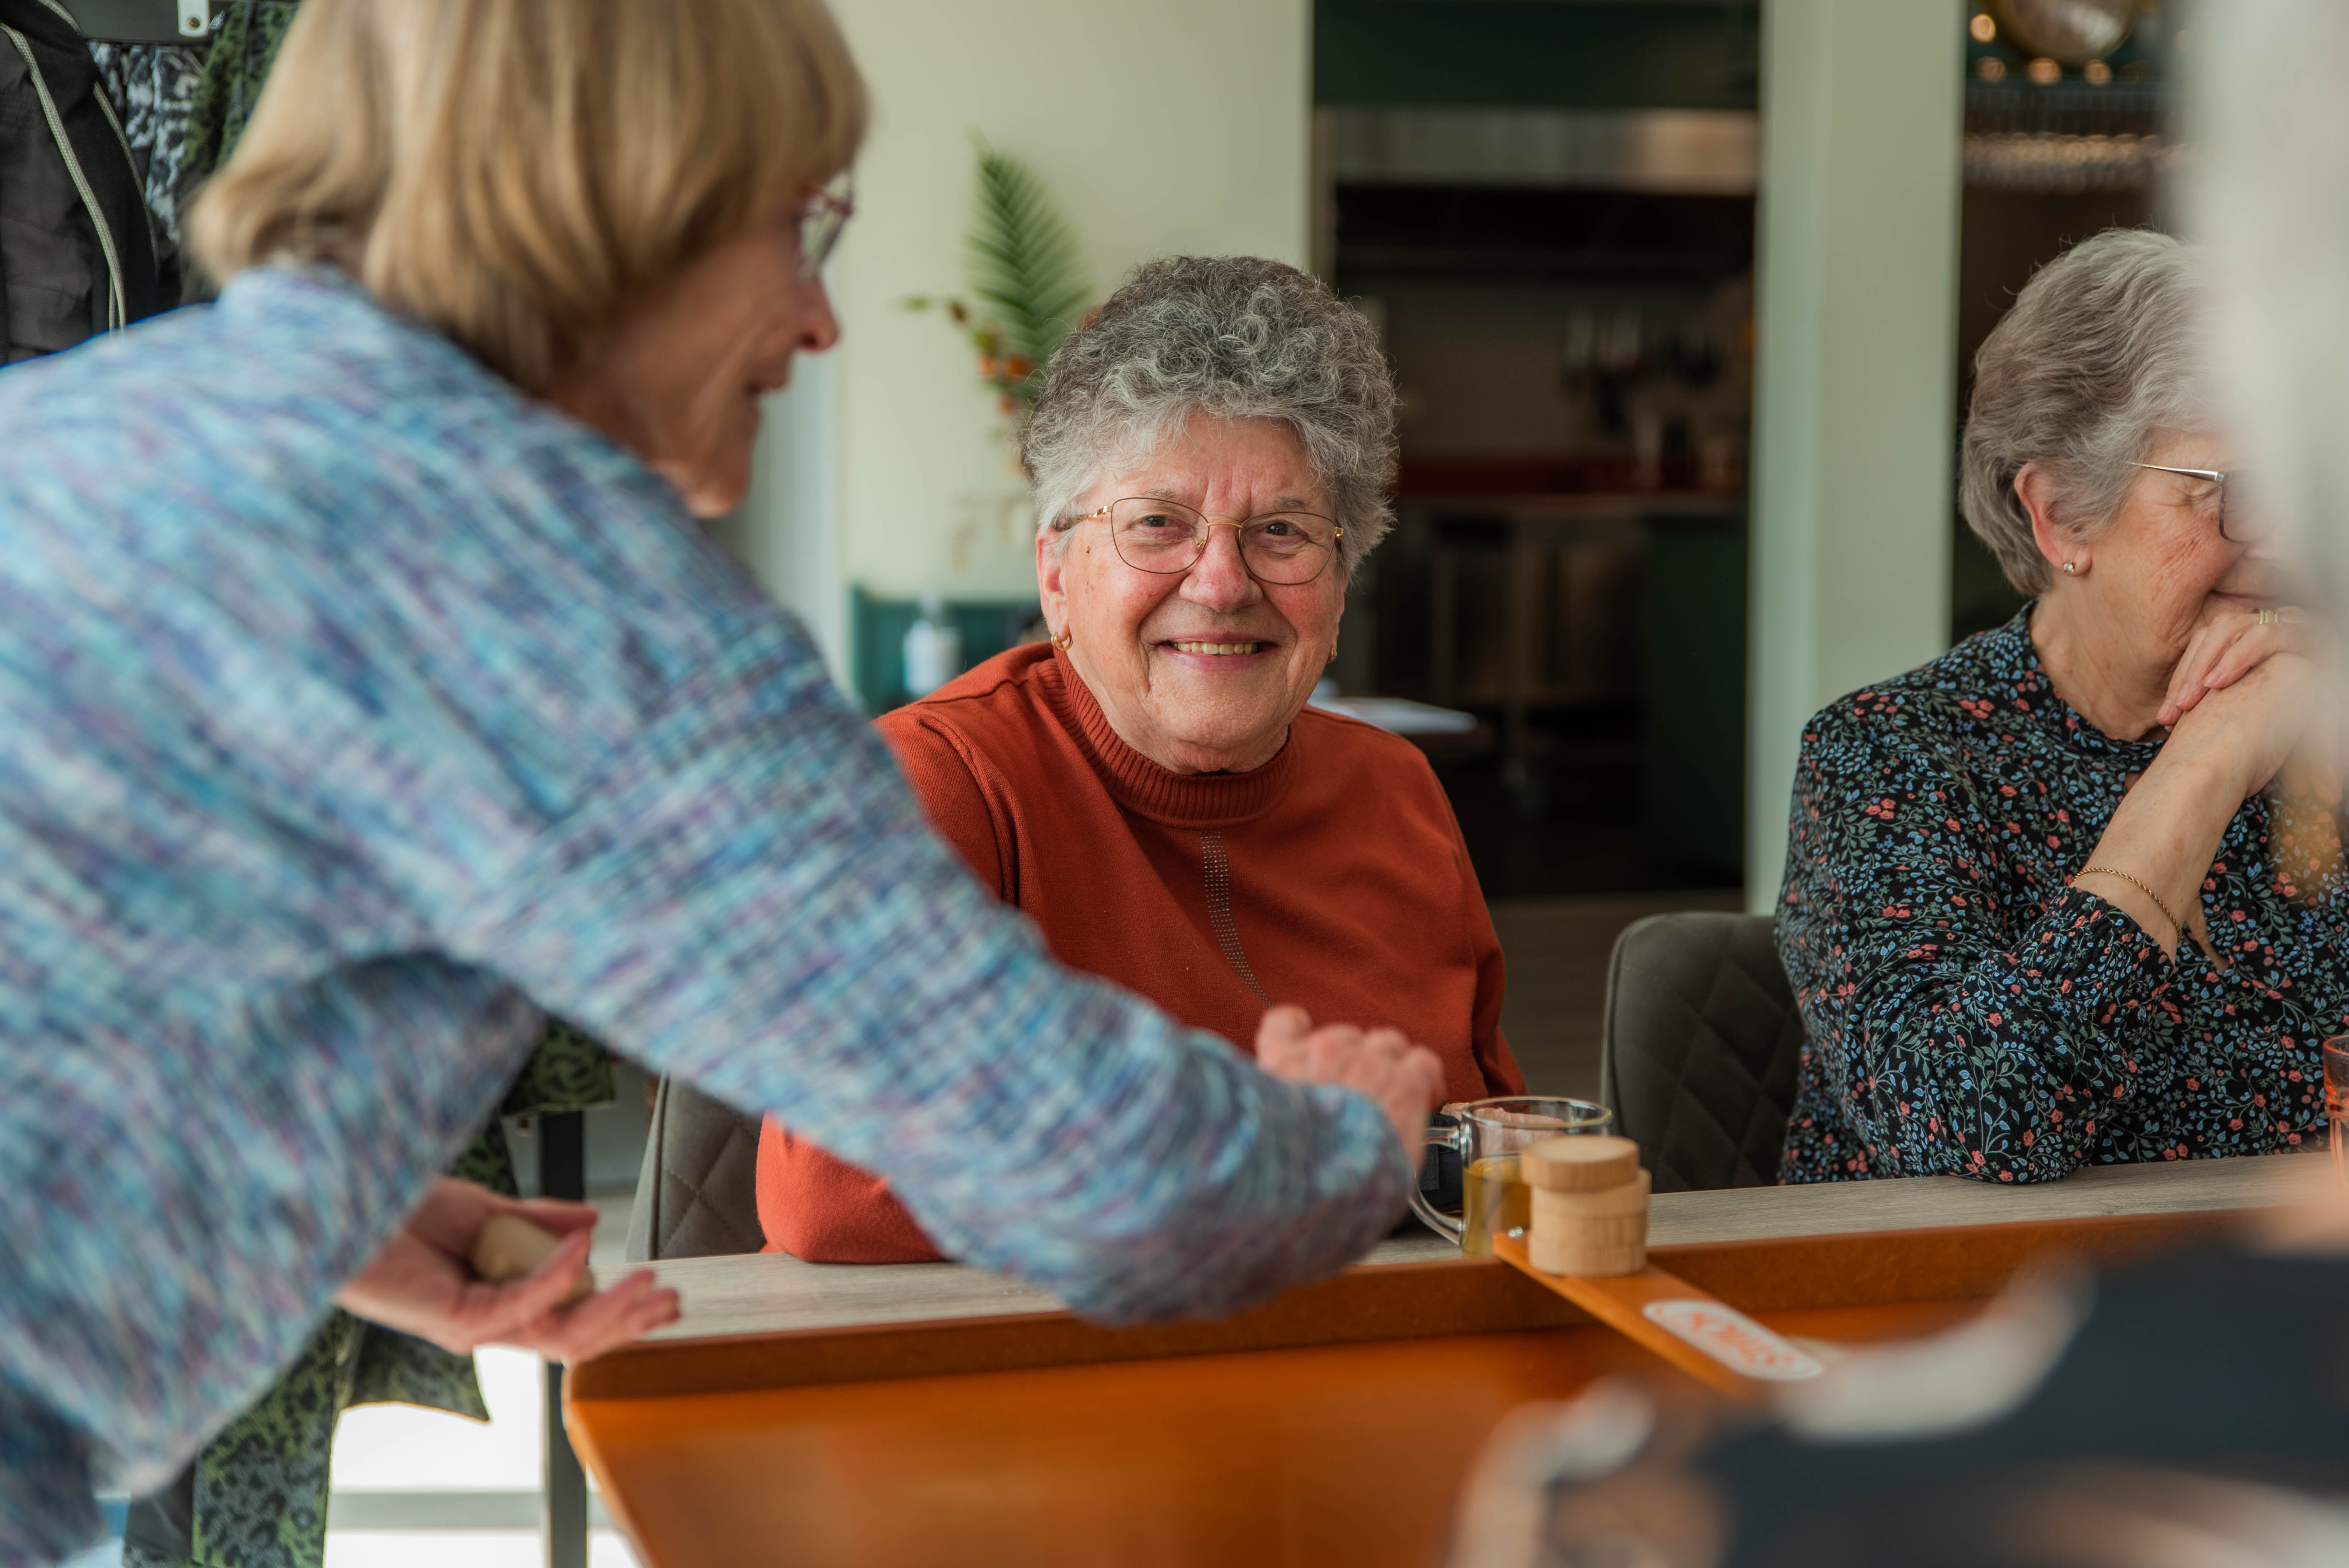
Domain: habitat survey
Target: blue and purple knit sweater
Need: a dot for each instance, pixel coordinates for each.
(354, 708)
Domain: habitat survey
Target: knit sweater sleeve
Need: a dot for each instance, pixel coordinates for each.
(1949, 1032)
(750, 899)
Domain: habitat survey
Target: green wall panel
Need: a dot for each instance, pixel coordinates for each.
(1531, 53)
(876, 637)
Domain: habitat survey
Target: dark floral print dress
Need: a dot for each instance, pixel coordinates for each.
(1970, 1012)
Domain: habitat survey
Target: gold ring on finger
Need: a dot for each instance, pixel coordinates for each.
(2270, 617)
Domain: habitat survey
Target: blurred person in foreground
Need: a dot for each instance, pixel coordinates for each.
(2071, 893)
(370, 688)
(1211, 457)
(2177, 1412)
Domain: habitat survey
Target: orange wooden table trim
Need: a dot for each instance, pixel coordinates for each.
(1392, 1301)
(1620, 1301)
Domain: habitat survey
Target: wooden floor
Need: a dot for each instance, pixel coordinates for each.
(1556, 950)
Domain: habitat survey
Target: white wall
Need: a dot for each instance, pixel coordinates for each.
(1855, 372)
(1159, 129)
(785, 529)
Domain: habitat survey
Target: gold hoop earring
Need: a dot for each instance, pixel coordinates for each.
(1063, 640)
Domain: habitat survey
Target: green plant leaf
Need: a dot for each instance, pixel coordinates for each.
(1022, 264)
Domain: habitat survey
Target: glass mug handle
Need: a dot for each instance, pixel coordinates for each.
(1455, 1140)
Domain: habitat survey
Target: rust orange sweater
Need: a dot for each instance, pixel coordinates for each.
(1333, 877)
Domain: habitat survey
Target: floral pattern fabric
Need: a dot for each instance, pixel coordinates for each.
(1970, 1012)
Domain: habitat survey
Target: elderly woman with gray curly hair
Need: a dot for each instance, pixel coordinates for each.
(2070, 894)
(1210, 458)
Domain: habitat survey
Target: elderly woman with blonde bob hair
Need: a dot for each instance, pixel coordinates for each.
(2072, 894)
(1211, 457)
(370, 686)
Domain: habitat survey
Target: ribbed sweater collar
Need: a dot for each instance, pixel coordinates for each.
(1141, 785)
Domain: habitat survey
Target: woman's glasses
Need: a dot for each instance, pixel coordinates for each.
(2236, 523)
(1167, 537)
(821, 221)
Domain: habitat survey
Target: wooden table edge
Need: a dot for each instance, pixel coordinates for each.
(1395, 1301)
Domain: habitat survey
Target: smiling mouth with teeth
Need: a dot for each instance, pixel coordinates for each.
(1216, 647)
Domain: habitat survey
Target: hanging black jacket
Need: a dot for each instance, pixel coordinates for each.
(77, 255)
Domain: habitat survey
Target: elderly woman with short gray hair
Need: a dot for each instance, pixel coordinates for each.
(1211, 457)
(2070, 894)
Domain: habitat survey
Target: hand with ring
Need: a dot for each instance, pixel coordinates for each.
(2228, 645)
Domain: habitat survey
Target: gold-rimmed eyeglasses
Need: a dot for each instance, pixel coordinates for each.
(1166, 537)
(820, 219)
(2236, 523)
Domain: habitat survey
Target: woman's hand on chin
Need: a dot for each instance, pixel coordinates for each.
(1402, 1079)
(2228, 645)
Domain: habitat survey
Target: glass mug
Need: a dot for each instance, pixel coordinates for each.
(1488, 1137)
(2336, 1105)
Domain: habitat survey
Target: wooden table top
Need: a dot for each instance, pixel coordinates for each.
(773, 1292)
(885, 1415)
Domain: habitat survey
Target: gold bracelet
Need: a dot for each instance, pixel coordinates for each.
(2177, 924)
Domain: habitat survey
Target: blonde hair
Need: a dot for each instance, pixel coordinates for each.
(518, 173)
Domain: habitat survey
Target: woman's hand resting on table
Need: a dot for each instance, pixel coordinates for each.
(1402, 1079)
(2249, 696)
(421, 1282)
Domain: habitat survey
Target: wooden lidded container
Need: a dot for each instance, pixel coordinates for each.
(1590, 1205)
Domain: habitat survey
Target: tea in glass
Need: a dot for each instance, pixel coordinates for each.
(1493, 1203)
(1486, 1135)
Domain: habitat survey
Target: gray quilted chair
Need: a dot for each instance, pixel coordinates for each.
(695, 1195)
(1701, 1042)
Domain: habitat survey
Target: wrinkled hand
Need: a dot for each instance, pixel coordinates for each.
(1402, 1079)
(421, 1284)
(2228, 645)
(2272, 723)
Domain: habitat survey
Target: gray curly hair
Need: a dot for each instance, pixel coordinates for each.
(2100, 350)
(1236, 337)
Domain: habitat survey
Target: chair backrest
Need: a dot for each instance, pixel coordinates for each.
(697, 1196)
(1701, 1044)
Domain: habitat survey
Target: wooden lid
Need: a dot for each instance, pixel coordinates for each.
(1623, 1198)
(1581, 1163)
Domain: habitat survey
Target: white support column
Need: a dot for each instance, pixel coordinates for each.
(1862, 108)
